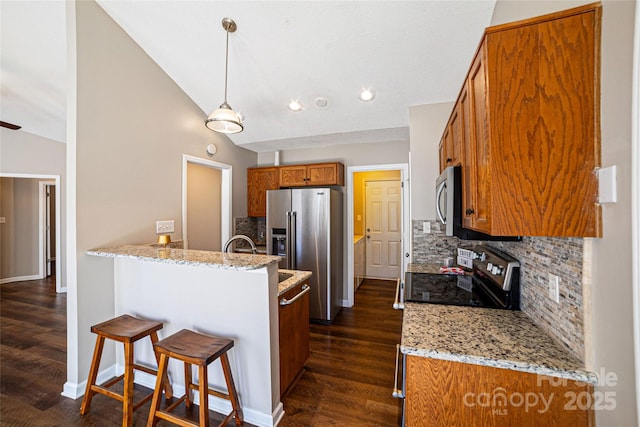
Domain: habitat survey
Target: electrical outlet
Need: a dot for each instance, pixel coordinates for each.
(426, 227)
(3, 220)
(554, 287)
(165, 227)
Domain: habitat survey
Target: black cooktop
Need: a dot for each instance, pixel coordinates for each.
(446, 289)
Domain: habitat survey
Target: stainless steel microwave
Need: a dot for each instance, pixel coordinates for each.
(445, 197)
(449, 207)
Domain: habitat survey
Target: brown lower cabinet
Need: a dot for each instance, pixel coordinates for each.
(294, 335)
(445, 393)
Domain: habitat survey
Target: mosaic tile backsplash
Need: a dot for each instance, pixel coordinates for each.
(253, 227)
(538, 257)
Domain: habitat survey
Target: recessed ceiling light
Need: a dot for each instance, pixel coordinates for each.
(367, 95)
(295, 105)
(321, 102)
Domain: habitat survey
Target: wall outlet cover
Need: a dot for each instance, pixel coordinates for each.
(554, 288)
(426, 227)
(163, 227)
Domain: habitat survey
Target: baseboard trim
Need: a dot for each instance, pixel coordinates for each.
(76, 390)
(20, 278)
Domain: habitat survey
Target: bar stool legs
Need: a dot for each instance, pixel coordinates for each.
(127, 330)
(194, 349)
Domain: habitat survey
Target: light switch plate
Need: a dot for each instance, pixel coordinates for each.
(165, 227)
(3, 220)
(607, 189)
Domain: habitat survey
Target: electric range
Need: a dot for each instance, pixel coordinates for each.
(493, 283)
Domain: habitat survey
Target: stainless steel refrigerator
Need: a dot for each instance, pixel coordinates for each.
(305, 227)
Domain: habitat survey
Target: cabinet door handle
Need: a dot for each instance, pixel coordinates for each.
(305, 289)
(470, 211)
(449, 160)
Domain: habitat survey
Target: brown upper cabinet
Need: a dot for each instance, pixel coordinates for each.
(451, 143)
(259, 180)
(312, 174)
(526, 128)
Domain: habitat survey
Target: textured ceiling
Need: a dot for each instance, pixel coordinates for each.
(410, 53)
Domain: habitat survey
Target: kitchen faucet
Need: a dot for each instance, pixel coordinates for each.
(240, 237)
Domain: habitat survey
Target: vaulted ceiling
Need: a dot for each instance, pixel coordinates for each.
(409, 53)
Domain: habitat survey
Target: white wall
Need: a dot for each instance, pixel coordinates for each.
(130, 125)
(427, 125)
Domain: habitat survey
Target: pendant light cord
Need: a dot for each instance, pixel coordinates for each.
(226, 68)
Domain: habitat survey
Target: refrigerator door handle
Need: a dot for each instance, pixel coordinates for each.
(291, 240)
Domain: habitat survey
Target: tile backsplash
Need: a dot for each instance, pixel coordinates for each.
(253, 227)
(538, 257)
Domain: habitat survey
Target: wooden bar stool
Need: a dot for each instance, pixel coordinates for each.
(194, 349)
(127, 330)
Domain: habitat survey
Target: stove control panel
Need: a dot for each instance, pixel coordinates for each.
(494, 264)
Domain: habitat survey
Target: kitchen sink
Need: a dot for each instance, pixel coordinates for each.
(282, 276)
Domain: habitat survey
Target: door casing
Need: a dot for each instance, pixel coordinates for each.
(406, 236)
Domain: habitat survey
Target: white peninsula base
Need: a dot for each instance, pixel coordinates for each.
(238, 301)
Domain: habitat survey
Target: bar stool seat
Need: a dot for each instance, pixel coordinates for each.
(127, 330)
(194, 348)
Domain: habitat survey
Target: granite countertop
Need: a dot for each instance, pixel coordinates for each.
(209, 259)
(500, 338)
(298, 277)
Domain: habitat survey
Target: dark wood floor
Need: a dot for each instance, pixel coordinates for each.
(347, 382)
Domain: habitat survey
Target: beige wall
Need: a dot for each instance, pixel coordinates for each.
(203, 207)
(610, 345)
(381, 153)
(19, 199)
(25, 153)
(427, 125)
(130, 126)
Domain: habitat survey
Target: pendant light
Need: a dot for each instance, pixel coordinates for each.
(224, 119)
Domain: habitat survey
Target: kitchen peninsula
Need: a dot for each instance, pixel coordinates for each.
(230, 295)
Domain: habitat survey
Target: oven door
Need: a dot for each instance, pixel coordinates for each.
(445, 200)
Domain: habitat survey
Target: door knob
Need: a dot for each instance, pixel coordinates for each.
(368, 230)
(368, 237)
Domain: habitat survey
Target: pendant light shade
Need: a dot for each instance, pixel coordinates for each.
(224, 119)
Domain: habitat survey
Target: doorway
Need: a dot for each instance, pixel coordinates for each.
(36, 197)
(47, 219)
(357, 176)
(206, 203)
(383, 227)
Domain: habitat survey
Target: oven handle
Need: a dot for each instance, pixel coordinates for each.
(397, 393)
(398, 303)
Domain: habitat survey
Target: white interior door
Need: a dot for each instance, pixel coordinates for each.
(383, 227)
